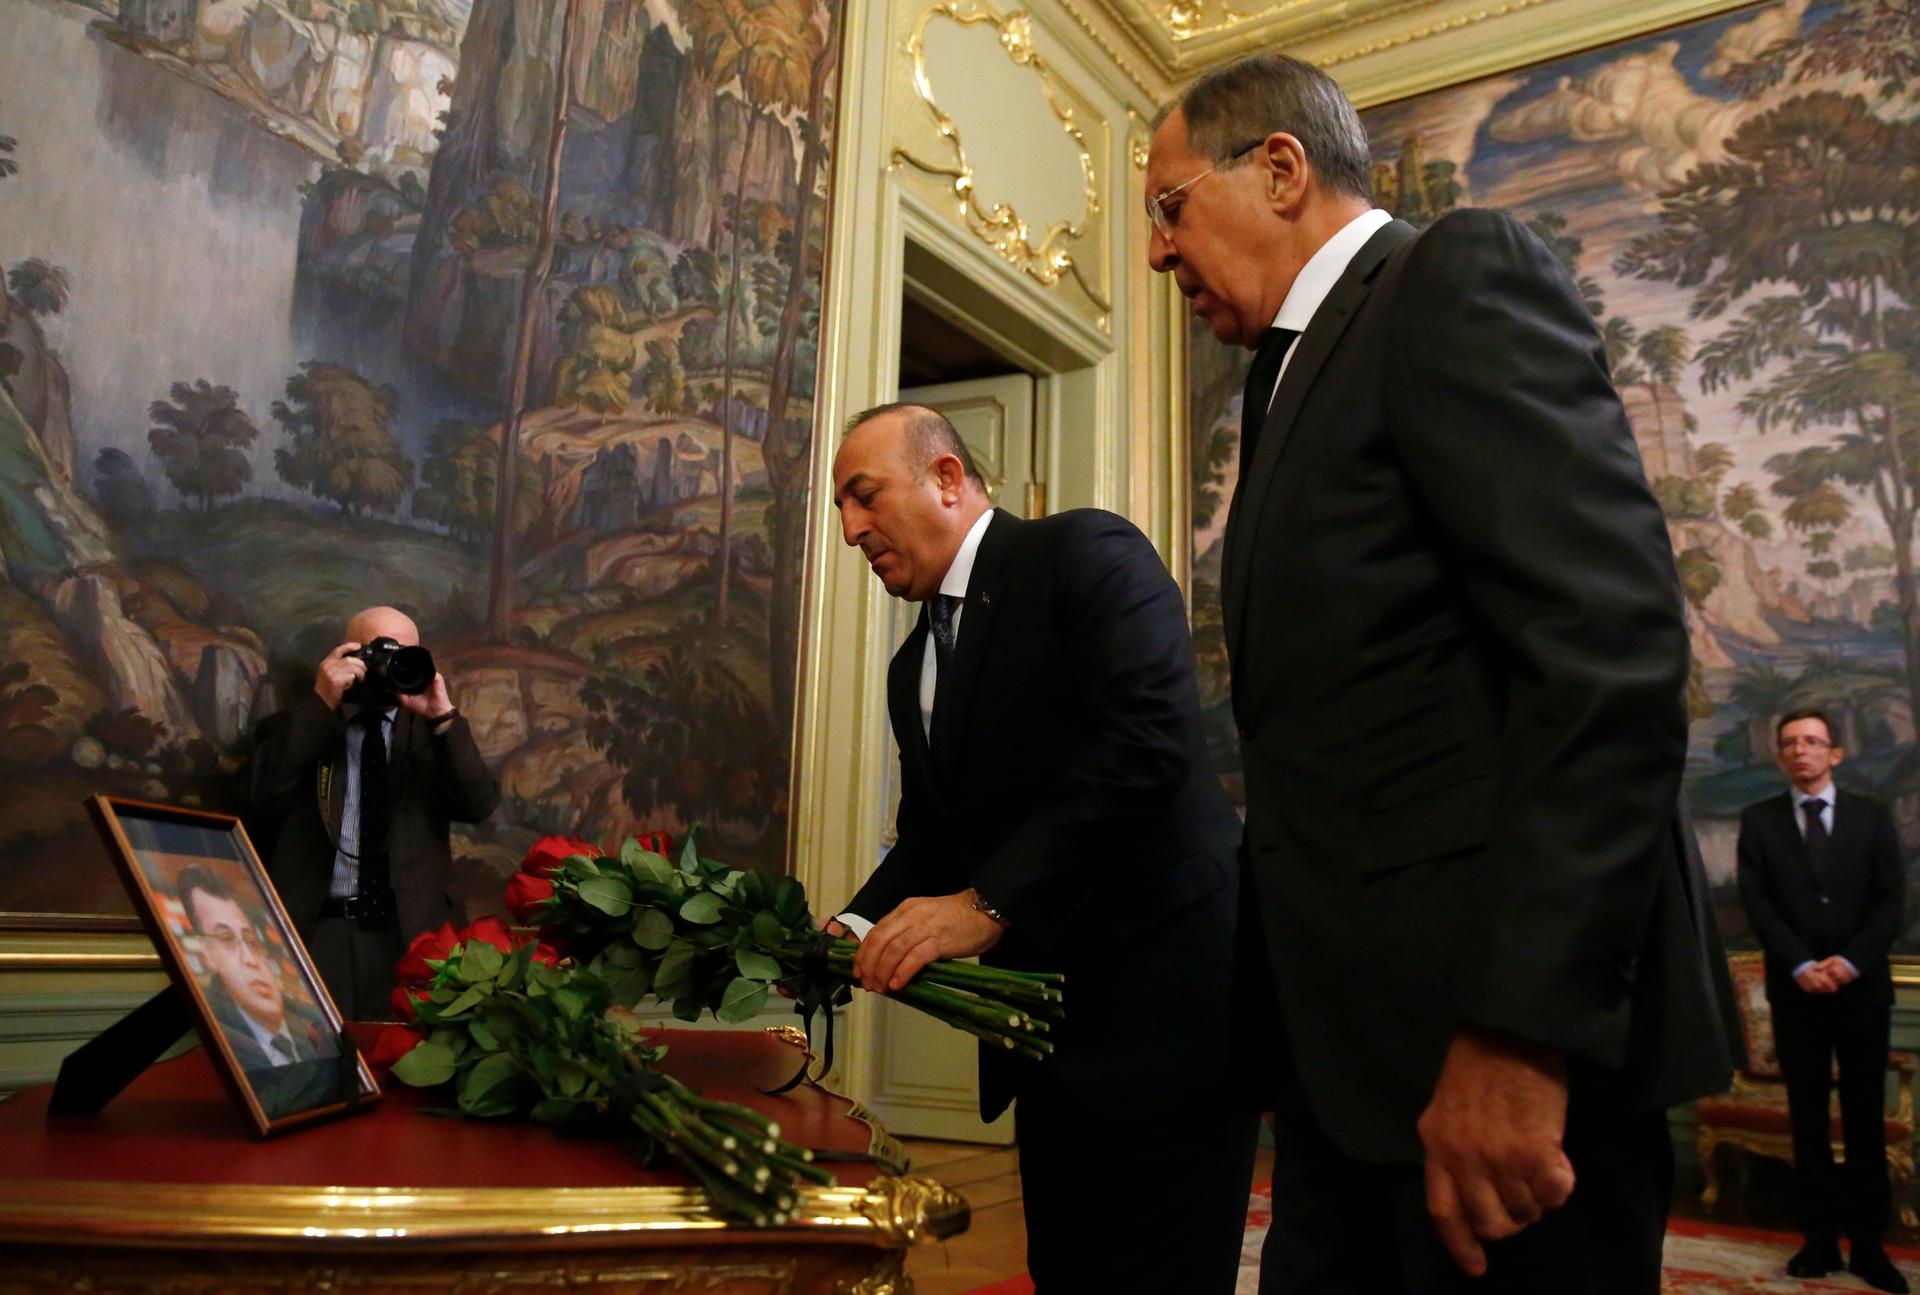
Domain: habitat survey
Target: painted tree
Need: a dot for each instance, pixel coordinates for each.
(1711, 462)
(457, 485)
(39, 287)
(789, 444)
(1663, 350)
(768, 51)
(597, 330)
(501, 588)
(1618, 335)
(661, 380)
(1805, 230)
(7, 165)
(341, 444)
(201, 438)
(1741, 506)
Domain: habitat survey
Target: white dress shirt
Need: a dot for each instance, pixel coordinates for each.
(346, 857)
(1800, 798)
(1317, 277)
(266, 1039)
(955, 583)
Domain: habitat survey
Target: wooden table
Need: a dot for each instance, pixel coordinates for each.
(167, 1190)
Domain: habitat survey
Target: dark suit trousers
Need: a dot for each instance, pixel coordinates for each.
(1343, 1227)
(357, 964)
(1154, 1206)
(1810, 1033)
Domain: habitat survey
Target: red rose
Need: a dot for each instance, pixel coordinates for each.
(658, 842)
(412, 968)
(488, 930)
(546, 855)
(404, 1002)
(526, 893)
(546, 955)
(395, 1042)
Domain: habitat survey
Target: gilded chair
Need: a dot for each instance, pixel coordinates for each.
(1752, 1115)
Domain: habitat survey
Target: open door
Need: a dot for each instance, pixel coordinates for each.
(926, 1076)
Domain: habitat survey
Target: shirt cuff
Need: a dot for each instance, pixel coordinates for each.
(855, 923)
(1808, 963)
(1848, 964)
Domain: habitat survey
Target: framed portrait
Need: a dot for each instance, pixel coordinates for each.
(260, 1007)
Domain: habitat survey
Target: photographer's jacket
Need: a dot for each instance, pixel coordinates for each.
(299, 777)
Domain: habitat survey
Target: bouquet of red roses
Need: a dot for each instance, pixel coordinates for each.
(714, 938)
(515, 1032)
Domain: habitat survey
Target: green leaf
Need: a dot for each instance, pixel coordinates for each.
(644, 863)
(653, 929)
(756, 966)
(554, 1110)
(750, 890)
(427, 1064)
(687, 1007)
(742, 1001)
(620, 954)
(466, 1000)
(674, 969)
(572, 1079)
(701, 908)
(767, 931)
(570, 1001)
(483, 1035)
(789, 901)
(608, 894)
(480, 962)
(629, 987)
(487, 1085)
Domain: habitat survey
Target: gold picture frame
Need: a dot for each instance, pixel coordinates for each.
(255, 998)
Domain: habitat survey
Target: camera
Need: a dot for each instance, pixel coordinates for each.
(392, 671)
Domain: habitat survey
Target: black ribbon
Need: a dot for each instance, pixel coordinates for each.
(820, 989)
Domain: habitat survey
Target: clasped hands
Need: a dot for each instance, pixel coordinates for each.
(919, 931)
(1826, 976)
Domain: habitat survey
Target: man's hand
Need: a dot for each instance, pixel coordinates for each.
(1492, 1138)
(434, 701)
(338, 673)
(1839, 972)
(918, 932)
(838, 930)
(1817, 979)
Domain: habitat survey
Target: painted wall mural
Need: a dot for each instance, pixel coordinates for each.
(1738, 200)
(502, 311)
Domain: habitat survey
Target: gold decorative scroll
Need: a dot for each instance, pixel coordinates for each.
(1000, 226)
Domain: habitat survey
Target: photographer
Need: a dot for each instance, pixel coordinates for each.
(362, 859)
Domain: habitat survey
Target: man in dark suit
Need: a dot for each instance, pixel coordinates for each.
(1821, 879)
(1458, 663)
(287, 1047)
(362, 861)
(1057, 813)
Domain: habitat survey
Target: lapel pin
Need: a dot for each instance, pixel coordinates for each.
(985, 597)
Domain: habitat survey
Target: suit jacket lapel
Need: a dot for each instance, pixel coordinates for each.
(985, 594)
(1795, 840)
(903, 704)
(1309, 356)
(1845, 840)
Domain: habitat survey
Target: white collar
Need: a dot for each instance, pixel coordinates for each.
(1324, 268)
(264, 1037)
(1823, 793)
(961, 572)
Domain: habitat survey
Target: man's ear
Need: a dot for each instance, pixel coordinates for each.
(1287, 172)
(949, 475)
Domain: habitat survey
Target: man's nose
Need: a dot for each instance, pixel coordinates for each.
(1161, 255)
(852, 527)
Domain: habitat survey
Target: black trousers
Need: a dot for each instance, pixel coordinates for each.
(357, 962)
(1156, 1206)
(1344, 1227)
(1810, 1033)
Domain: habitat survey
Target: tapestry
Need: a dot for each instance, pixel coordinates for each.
(504, 312)
(1737, 201)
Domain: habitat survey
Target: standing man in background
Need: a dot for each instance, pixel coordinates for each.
(1458, 663)
(363, 860)
(1821, 879)
(1058, 813)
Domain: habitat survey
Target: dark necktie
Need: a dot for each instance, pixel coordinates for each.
(376, 876)
(1817, 841)
(940, 609)
(1261, 380)
(281, 1048)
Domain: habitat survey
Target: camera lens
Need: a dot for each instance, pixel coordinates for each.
(410, 671)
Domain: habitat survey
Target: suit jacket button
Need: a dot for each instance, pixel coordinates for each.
(1824, 899)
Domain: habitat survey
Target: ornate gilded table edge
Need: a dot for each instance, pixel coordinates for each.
(889, 1212)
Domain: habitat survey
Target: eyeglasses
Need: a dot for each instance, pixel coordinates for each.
(1810, 743)
(227, 940)
(1163, 217)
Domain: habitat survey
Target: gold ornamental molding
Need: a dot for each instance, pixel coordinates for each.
(1380, 50)
(1001, 227)
(893, 1211)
